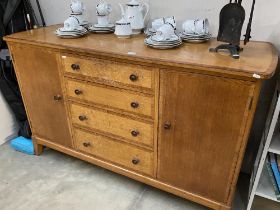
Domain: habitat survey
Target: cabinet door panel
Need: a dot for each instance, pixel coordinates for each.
(38, 75)
(198, 153)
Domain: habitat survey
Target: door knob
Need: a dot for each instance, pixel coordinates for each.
(86, 144)
(78, 92)
(167, 125)
(133, 77)
(134, 105)
(135, 161)
(135, 133)
(75, 67)
(57, 98)
(82, 117)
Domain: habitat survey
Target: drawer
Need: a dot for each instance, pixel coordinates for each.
(110, 71)
(131, 130)
(111, 97)
(114, 151)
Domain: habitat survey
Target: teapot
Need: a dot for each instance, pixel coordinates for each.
(134, 14)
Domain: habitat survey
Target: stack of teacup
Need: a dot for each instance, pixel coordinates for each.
(196, 31)
(103, 11)
(163, 34)
(73, 25)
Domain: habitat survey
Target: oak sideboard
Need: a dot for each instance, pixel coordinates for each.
(175, 119)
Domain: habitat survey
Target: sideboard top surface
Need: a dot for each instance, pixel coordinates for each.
(258, 58)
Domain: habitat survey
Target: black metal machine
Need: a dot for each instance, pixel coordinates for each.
(232, 18)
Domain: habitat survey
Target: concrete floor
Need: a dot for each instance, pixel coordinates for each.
(59, 182)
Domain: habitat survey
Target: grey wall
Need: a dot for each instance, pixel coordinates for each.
(266, 25)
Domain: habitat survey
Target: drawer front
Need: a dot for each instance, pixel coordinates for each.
(112, 97)
(110, 71)
(132, 130)
(114, 151)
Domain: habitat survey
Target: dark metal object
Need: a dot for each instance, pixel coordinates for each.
(232, 17)
(135, 133)
(82, 117)
(86, 144)
(135, 161)
(233, 49)
(75, 67)
(134, 105)
(248, 31)
(78, 92)
(133, 77)
(167, 125)
(57, 97)
(41, 13)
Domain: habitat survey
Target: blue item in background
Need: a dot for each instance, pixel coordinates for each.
(22, 144)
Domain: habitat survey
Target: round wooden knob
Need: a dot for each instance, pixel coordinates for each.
(134, 105)
(82, 117)
(57, 98)
(78, 92)
(75, 67)
(167, 125)
(133, 77)
(135, 133)
(86, 144)
(135, 161)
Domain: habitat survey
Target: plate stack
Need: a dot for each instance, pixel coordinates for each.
(96, 28)
(195, 38)
(70, 34)
(172, 42)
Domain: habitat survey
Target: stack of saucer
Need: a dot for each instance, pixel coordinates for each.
(96, 28)
(195, 38)
(71, 33)
(171, 42)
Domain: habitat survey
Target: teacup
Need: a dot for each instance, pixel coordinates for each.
(164, 32)
(71, 23)
(77, 7)
(157, 23)
(103, 20)
(198, 26)
(103, 8)
(79, 17)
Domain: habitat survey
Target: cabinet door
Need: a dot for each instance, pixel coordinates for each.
(38, 76)
(202, 123)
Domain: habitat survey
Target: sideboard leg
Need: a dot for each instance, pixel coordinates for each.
(38, 149)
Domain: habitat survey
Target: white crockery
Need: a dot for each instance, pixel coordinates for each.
(198, 26)
(164, 32)
(103, 20)
(77, 7)
(103, 8)
(157, 23)
(123, 28)
(71, 23)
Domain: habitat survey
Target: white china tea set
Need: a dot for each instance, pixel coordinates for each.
(161, 34)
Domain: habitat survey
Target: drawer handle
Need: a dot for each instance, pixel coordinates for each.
(135, 133)
(135, 161)
(57, 98)
(78, 92)
(167, 125)
(86, 144)
(82, 117)
(133, 77)
(134, 105)
(75, 67)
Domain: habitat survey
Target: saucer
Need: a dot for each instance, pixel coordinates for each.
(110, 25)
(170, 39)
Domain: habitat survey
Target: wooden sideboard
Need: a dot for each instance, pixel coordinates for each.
(176, 119)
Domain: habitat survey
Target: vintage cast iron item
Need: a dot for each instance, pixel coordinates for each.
(232, 18)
